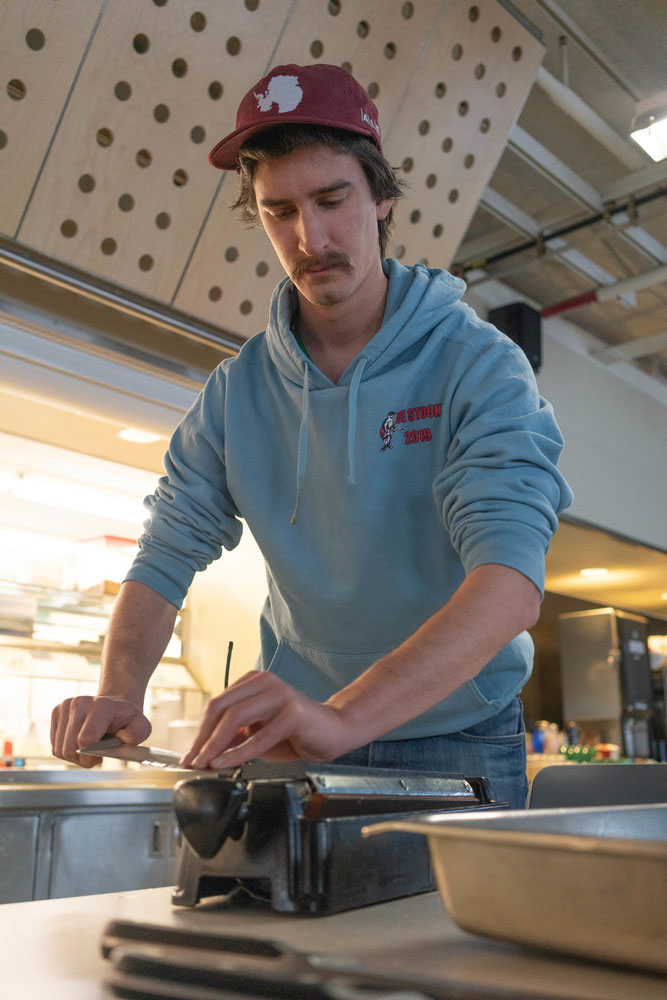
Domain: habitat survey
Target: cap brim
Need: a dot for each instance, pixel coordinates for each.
(225, 154)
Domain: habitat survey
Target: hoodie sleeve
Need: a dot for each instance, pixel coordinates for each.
(500, 492)
(191, 514)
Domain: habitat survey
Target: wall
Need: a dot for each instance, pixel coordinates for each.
(613, 419)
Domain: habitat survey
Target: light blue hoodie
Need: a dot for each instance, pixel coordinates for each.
(370, 499)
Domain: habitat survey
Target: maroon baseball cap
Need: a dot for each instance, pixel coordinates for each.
(306, 95)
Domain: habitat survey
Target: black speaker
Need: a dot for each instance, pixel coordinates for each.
(523, 325)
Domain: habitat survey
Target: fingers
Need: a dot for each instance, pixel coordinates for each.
(243, 689)
(266, 739)
(77, 722)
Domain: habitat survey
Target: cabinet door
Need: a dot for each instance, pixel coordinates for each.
(111, 850)
(18, 857)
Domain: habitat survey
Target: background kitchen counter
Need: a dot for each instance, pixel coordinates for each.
(52, 947)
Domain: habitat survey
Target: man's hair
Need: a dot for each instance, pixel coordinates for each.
(284, 139)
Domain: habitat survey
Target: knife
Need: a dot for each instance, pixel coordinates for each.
(113, 746)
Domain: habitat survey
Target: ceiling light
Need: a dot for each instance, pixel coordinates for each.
(137, 436)
(594, 572)
(649, 126)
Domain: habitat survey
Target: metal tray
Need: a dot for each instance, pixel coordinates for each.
(590, 882)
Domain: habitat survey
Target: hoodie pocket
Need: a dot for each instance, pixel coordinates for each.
(315, 672)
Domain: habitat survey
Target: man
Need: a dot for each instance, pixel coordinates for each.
(401, 579)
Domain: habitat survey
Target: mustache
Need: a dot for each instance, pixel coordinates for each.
(334, 258)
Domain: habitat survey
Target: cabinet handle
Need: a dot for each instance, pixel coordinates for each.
(156, 839)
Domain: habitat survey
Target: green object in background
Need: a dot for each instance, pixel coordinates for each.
(581, 754)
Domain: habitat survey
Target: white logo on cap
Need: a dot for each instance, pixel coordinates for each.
(283, 91)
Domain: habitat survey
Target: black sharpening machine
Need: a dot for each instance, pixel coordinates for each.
(291, 833)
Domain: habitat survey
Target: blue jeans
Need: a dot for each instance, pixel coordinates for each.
(494, 749)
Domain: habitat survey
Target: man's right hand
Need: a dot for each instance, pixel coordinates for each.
(78, 722)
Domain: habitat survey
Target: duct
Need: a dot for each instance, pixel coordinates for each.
(606, 292)
(580, 112)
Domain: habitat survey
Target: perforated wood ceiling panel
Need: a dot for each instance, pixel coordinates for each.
(135, 93)
(41, 46)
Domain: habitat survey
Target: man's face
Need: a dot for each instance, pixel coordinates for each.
(318, 211)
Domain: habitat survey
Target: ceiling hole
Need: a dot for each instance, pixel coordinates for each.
(407, 10)
(35, 39)
(140, 43)
(424, 126)
(245, 307)
(180, 177)
(473, 13)
(86, 183)
(347, 66)
(496, 34)
(197, 133)
(431, 180)
(399, 251)
(108, 246)
(468, 161)
(104, 137)
(3, 139)
(252, 5)
(463, 108)
(197, 21)
(126, 203)
(160, 3)
(437, 230)
(144, 158)
(362, 29)
(415, 216)
(145, 262)
(447, 144)
(389, 50)
(163, 220)
(16, 90)
(440, 89)
(484, 125)
(262, 269)
(215, 90)
(215, 293)
(408, 164)
(501, 90)
(69, 228)
(179, 67)
(453, 195)
(373, 90)
(316, 49)
(517, 53)
(457, 52)
(233, 45)
(161, 113)
(231, 254)
(122, 90)
(334, 7)
(480, 70)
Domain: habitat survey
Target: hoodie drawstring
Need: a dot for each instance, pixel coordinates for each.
(352, 419)
(302, 448)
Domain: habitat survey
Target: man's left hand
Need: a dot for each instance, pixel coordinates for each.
(262, 716)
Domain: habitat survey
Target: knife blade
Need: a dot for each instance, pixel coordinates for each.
(113, 746)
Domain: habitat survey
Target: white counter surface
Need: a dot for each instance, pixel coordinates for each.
(50, 949)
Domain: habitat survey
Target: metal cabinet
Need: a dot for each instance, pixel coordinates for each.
(72, 841)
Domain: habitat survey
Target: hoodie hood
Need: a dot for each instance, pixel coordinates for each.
(417, 300)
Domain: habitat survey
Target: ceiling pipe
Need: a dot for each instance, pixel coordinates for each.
(606, 292)
(576, 109)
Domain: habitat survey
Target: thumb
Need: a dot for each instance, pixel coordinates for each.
(136, 730)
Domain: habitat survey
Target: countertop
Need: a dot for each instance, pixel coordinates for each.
(51, 948)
